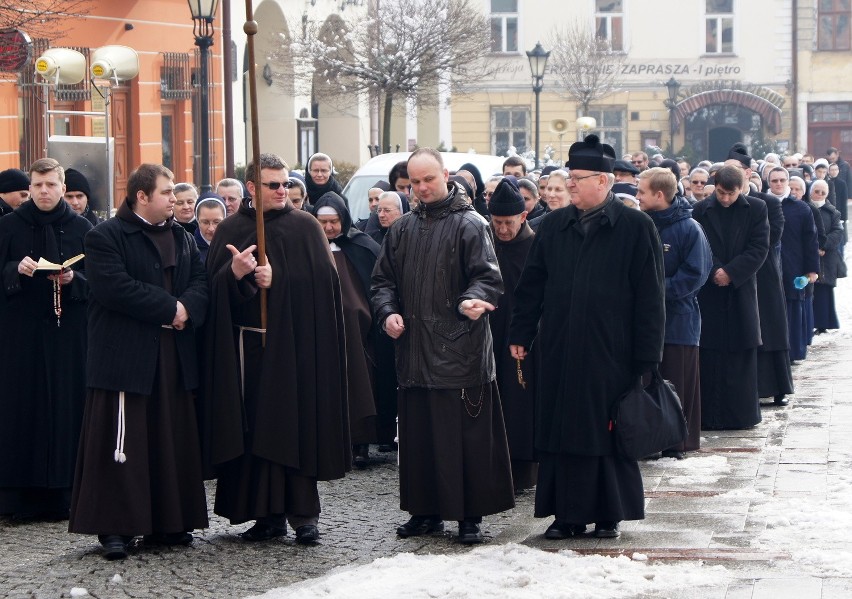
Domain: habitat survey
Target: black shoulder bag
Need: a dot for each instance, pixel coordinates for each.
(648, 420)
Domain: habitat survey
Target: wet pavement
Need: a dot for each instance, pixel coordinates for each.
(728, 504)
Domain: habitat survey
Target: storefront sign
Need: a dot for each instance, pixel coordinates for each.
(632, 71)
(16, 50)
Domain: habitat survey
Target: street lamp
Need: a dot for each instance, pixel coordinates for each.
(673, 87)
(538, 63)
(203, 13)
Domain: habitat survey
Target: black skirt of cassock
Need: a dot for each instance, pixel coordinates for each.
(774, 376)
(160, 487)
(250, 487)
(729, 397)
(586, 489)
(680, 366)
(797, 324)
(453, 461)
(825, 314)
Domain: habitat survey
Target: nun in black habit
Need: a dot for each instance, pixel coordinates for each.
(355, 255)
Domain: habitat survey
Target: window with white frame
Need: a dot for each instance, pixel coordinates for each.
(509, 127)
(609, 23)
(719, 31)
(610, 126)
(504, 25)
(834, 24)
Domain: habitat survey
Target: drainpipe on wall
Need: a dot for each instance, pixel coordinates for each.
(795, 76)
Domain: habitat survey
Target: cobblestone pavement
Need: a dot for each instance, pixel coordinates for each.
(796, 452)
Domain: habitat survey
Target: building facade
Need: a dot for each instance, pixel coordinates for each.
(153, 117)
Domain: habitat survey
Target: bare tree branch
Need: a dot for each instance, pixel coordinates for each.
(42, 18)
(584, 64)
(404, 49)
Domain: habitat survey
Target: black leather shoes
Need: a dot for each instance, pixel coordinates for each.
(361, 457)
(673, 453)
(563, 530)
(263, 531)
(420, 525)
(607, 530)
(469, 532)
(307, 534)
(780, 400)
(115, 546)
(169, 538)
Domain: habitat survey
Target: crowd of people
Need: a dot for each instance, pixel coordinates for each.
(482, 325)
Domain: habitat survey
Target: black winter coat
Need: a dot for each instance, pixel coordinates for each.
(594, 305)
(432, 259)
(729, 315)
(829, 264)
(799, 245)
(128, 304)
(770, 292)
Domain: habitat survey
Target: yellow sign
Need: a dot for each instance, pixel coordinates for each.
(41, 66)
(98, 70)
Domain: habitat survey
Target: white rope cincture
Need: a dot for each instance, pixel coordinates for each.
(119, 456)
(243, 355)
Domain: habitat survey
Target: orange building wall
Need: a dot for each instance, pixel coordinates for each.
(158, 26)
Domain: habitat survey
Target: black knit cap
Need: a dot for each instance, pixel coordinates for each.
(507, 199)
(13, 180)
(76, 181)
(739, 153)
(591, 155)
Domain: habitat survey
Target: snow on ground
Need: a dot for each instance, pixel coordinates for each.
(813, 528)
(506, 571)
(695, 470)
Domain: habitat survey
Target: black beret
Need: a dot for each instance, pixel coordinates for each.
(507, 199)
(13, 180)
(76, 181)
(591, 155)
(623, 166)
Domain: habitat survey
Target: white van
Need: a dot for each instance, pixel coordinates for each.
(379, 167)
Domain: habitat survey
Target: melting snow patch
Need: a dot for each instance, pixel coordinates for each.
(79, 592)
(507, 571)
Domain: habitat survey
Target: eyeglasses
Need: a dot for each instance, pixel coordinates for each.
(699, 182)
(575, 178)
(778, 180)
(387, 210)
(273, 185)
(319, 171)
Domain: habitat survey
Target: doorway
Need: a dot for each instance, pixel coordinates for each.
(720, 140)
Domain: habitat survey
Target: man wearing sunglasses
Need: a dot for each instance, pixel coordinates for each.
(277, 414)
(640, 160)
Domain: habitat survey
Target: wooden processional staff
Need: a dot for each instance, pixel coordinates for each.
(250, 29)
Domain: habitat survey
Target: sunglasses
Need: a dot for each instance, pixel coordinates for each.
(273, 185)
(699, 182)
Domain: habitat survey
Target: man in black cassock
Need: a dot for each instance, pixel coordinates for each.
(278, 418)
(43, 352)
(435, 281)
(738, 231)
(513, 238)
(139, 468)
(592, 297)
(774, 375)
